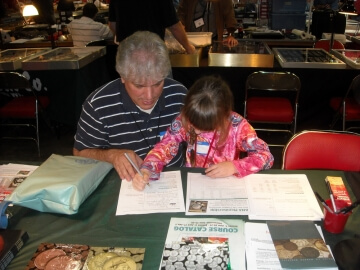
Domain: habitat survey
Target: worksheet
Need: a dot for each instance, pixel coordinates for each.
(215, 196)
(281, 197)
(162, 196)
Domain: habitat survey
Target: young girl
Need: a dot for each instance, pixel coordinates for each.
(215, 137)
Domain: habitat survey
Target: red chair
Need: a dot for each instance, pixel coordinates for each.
(271, 100)
(348, 106)
(22, 104)
(325, 44)
(329, 150)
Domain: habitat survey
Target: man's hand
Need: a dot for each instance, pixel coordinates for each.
(123, 167)
(116, 157)
(139, 182)
(222, 169)
(230, 41)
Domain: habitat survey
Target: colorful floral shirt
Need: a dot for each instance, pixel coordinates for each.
(241, 138)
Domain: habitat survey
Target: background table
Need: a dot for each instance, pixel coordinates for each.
(96, 223)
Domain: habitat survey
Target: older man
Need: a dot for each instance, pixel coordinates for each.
(130, 114)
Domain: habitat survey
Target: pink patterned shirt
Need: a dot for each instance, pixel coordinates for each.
(242, 138)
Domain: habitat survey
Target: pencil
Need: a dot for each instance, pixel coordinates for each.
(135, 167)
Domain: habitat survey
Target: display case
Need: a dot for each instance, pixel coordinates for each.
(186, 60)
(64, 58)
(307, 58)
(11, 59)
(245, 54)
(350, 57)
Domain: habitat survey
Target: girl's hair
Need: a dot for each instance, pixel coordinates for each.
(208, 105)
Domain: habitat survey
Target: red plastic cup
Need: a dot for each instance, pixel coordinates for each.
(335, 223)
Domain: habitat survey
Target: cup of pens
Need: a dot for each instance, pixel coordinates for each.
(335, 220)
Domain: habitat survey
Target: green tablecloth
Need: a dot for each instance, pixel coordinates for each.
(97, 225)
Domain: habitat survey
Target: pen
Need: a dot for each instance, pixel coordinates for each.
(347, 209)
(134, 165)
(331, 196)
(323, 202)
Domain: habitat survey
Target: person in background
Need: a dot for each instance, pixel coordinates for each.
(130, 114)
(85, 29)
(215, 135)
(326, 4)
(65, 9)
(127, 17)
(209, 16)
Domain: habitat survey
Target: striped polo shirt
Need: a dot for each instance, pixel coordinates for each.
(110, 119)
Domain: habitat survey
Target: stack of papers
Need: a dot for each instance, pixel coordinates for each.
(260, 196)
(11, 176)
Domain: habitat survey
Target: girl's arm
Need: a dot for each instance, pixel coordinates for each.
(258, 153)
(165, 150)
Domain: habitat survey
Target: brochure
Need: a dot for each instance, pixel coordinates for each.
(208, 243)
(299, 245)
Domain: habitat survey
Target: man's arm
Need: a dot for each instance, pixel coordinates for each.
(112, 26)
(179, 33)
(114, 156)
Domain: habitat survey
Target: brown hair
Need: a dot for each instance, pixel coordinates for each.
(208, 105)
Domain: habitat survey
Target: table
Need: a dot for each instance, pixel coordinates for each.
(38, 44)
(96, 224)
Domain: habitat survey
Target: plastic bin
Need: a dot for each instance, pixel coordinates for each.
(199, 39)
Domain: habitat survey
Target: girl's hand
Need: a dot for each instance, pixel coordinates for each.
(222, 169)
(139, 182)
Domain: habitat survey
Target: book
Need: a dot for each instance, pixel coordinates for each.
(204, 243)
(299, 245)
(50, 256)
(11, 241)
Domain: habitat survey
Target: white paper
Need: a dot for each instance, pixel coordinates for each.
(281, 197)
(20, 40)
(215, 196)
(162, 196)
(12, 175)
(260, 250)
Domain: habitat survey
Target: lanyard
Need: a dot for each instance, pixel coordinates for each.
(207, 155)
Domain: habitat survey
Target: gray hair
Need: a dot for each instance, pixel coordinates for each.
(143, 56)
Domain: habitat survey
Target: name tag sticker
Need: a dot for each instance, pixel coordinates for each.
(202, 148)
(161, 134)
(199, 22)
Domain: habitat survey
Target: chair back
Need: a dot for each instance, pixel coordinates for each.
(329, 150)
(355, 88)
(273, 81)
(13, 80)
(348, 106)
(325, 44)
(266, 100)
